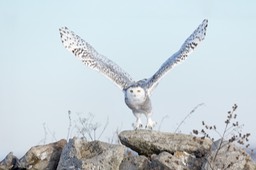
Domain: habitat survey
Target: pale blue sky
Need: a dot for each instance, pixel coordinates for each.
(41, 81)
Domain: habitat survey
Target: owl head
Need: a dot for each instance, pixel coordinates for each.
(136, 92)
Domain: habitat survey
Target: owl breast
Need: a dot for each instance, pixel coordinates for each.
(136, 98)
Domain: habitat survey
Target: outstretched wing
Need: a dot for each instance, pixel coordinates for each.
(91, 58)
(187, 48)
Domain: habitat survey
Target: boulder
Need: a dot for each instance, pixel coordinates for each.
(43, 156)
(9, 162)
(135, 163)
(228, 156)
(178, 161)
(146, 142)
(80, 154)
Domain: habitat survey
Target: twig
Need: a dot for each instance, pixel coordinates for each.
(162, 120)
(45, 133)
(70, 124)
(103, 130)
(192, 111)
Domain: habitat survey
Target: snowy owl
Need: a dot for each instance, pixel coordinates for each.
(136, 93)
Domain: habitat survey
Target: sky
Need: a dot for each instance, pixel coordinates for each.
(40, 81)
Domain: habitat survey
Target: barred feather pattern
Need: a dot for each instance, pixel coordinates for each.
(186, 49)
(92, 59)
(137, 94)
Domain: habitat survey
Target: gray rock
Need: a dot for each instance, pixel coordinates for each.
(9, 162)
(80, 154)
(178, 161)
(147, 142)
(166, 161)
(228, 156)
(43, 156)
(163, 161)
(135, 163)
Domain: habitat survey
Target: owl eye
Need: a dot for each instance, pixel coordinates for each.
(138, 91)
(131, 91)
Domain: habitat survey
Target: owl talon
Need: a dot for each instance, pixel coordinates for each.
(150, 124)
(137, 126)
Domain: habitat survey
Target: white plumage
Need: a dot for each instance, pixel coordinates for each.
(137, 93)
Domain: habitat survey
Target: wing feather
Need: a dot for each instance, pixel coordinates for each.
(187, 48)
(91, 58)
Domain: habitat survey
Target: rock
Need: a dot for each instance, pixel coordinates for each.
(9, 162)
(166, 161)
(228, 156)
(135, 163)
(165, 151)
(178, 161)
(147, 142)
(80, 154)
(43, 156)
(154, 151)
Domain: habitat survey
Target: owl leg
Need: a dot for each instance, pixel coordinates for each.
(137, 124)
(150, 122)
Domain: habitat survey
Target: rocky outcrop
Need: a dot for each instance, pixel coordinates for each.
(227, 156)
(165, 150)
(37, 158)
(9, 162)
(143, 150)
(147, 142)
(96, 155)
(42, 156)
(169, 151)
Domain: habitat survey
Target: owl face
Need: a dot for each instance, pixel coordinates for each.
(136, 94)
